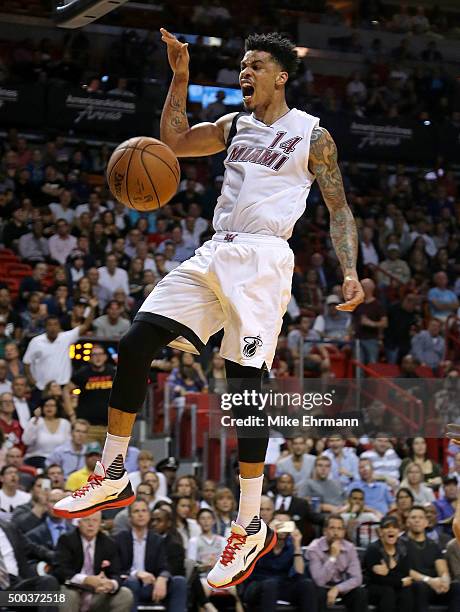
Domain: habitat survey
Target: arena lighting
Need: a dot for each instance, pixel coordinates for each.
(78, 13)
(302, 51)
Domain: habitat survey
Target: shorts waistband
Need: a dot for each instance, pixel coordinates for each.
(243, 238)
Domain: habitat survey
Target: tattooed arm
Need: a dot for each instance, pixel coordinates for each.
(201, 139)
(323, 164)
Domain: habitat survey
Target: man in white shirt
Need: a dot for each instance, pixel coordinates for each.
(10, 494)
(384, 460)
(63, 209)
(62, 243)
(368, 250)
(47, 356)
(112, 277)
(93, 206)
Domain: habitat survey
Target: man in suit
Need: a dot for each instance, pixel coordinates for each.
(88, 566)
(143, 558)
(16, 573)
(49, 532)
(298, 508)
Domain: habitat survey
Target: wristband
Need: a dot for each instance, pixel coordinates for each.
(348, 277)
(426, 579)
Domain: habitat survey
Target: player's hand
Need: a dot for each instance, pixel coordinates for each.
(453, 432)
(353, 294)
(178, 56)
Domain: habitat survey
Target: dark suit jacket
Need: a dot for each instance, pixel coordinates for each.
(42, 535)
(155, 553)
(69, 556)
(175, 555)
(25, 549)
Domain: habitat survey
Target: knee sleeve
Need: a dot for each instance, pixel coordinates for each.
(252, 441)
(136, 350)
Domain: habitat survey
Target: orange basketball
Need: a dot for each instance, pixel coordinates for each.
(143, 173)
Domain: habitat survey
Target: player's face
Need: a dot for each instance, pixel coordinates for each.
(260, 77)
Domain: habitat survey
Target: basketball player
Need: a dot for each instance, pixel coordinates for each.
(239, 281)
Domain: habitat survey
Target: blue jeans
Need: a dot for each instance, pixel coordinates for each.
(369, 351)
(175, 600)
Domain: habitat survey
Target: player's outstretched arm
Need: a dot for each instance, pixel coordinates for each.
(201, 139)
(323, 164)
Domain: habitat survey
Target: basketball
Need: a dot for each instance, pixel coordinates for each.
(143, 173)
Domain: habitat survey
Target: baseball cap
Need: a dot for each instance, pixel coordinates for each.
(389, 520)
(93, 448)
(449, 480)
(170, 463)
(332, 299)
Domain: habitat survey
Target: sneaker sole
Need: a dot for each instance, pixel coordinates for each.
(250, 569)
(101, 506)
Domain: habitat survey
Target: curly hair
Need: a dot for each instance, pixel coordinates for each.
(281, 49)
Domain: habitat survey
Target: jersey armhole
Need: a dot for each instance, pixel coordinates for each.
(233, 128)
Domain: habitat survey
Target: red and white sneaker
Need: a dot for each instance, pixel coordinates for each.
(240, 555)
(99, 493)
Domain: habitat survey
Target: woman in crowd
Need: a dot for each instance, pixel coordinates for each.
(44, 432)
(404, 503)
(225, 511)
(188, 377)
(418, 454)
(387, 569)
(185, 486)
(61, 395)
(186, 526)
(414, 482)
(216, 374)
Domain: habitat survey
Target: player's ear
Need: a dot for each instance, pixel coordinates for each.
(281, 78)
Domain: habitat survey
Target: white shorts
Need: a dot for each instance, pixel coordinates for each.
(238, 282)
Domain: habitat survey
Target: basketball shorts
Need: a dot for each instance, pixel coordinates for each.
(238, 282)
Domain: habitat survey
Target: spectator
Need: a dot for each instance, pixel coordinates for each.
(145, 491)
(434, 531)
(21, 405)
(70, 455)
(453, 559)
(335, 568)
(356, 88)
(428, 568)
(63, 209)
(328, 491)
(10, 426)
(304, 337)
(334, 325)
(401, 322)
(369, 320)
(298, 508)
(94, 381)
(5, 384)
(18, 574)
(34, 283)
(10, 494)
(121, 89)
(111, 277)
(168, 467)
(280, 573)
(182, 250)
(44, 432)
(413, 480)
(377, 495)
(186, 526)
(418, 454)
(225, 511)
(111, 325)
(385, 461)
(90, 558)
(50, 530)
(79, 478)
(14, 229)
(14, 456)
(445, 506)
(145, 463)
(33, 246)
(443, 302)
(9, 316)
(143, 559)
(47, 356)
(55, 474)
(344, 462)
(34, 317)
(359, 520)
(62, 243)
(404, 503)
(428, 345)
(396, 267)
(387, 570)
(299, 464)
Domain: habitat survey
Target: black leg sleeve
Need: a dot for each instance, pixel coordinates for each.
(252, 442)
(136, 350)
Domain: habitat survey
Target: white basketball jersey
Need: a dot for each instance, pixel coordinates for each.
(266, 180)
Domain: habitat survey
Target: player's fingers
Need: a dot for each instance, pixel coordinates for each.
(350, 305)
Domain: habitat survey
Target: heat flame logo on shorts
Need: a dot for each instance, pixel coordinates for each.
(251, 346)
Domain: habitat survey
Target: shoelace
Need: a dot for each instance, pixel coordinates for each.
(235, 542)
(93, 481)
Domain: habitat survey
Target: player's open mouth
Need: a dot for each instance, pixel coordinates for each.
(247, 91)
